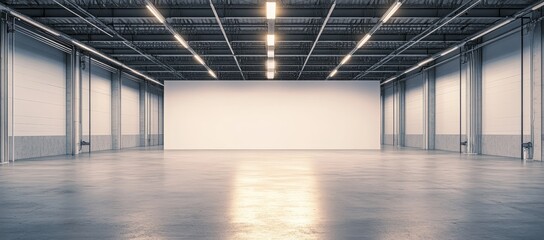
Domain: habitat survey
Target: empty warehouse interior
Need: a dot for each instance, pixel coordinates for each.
(292, 119)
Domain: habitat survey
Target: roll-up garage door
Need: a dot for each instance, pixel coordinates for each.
(388, 116)
(501, 94)
(414, 112)
(130, 113)
(39, 98)
(98, 113)
(448, 90)
(154, 117)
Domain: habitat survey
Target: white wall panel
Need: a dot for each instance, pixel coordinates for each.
(414, 105)
(501, 97)
(414, 111)
(100, 101)
(388, 115)
(130, 113)
(501, 87)
(40, 89)
(130, 108)
(272, 115)
(447, 98)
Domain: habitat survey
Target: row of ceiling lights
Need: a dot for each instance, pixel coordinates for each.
(459, 45)
(178, 37)
(365, 39)
(270, 39)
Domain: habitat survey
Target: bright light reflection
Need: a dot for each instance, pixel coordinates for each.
(275, 201)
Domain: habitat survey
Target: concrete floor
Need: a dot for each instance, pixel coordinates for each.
(155, 194)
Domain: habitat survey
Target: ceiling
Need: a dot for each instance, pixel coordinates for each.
(297, 25)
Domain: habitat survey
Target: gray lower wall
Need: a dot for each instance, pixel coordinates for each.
(39, 146)
(502, 145)
(447, 142)
(128, 141)
(414, 140)
(98, 143)
(388, 139)
(154, 139)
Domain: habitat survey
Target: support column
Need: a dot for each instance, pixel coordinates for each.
(536, 89)
(144, 129)
(116, 110)
(400, 103)
(4, 90)
(429, 108)
(473, 75)
(73, 98)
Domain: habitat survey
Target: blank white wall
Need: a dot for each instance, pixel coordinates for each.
(272, 115)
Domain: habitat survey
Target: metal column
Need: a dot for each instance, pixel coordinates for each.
(144, 129)
(429, 108)
(4, 89)
(473, 75)
(116, 110)
(400, 103)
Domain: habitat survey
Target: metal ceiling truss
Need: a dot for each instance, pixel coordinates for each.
(311, 36)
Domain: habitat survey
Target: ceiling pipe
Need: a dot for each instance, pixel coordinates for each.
(171, 29)
(317, 38)
(104, 28)
(387, 15)
(226, 38)
(69, 39)
(483, 32)
(433, 28)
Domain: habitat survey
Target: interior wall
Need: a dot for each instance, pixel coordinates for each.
(388, 115)
(39, 98)
(272, 115)
(130, 113)
(414, 112)
(448, 106)
(509, 102)
(154, 118)
(99, 111)
(501, 115)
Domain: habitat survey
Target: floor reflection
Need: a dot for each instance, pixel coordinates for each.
(275, 201)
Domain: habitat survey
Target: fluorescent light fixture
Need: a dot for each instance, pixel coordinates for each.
(390, 79)
(155, 12)
(538, 6)
(34, 23)
(425, 62)
(270, 10)
(391, 11)
(449, 51)
(363, 41)
(270, 40)
(270, 74)
(346, 59)
(270, 53)
(199, 59)
(212, 74)
(181, 40)
(81, 45)
(492, 29)
(411, 69)
(270, 64)
(333, 73)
